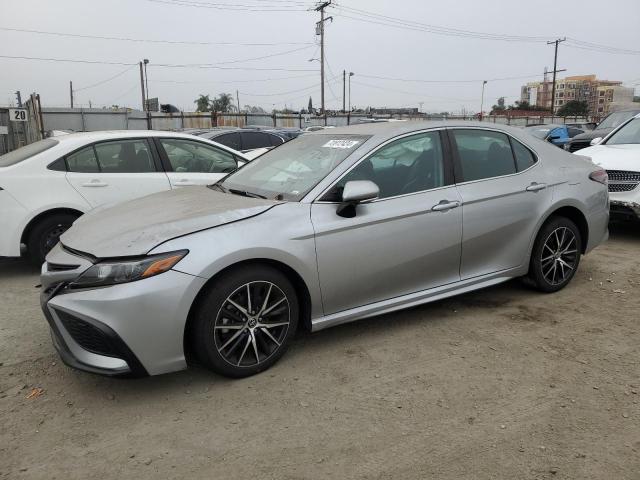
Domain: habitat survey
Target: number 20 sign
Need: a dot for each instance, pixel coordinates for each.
(18, 114)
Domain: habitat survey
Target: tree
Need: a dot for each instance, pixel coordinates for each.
(574, 108)
(499, 107)
(223, 103)
(203, 103)
(310, 107)
(250, 109)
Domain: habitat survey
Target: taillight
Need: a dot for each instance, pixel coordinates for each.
(600, 176)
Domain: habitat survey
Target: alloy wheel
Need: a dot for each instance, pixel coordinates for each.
(252, 324)
(559, 256)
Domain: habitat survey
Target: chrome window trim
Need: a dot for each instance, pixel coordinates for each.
(372, 152)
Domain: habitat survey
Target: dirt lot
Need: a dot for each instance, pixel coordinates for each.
(501, 383)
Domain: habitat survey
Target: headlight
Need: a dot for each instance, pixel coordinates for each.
(112, 272)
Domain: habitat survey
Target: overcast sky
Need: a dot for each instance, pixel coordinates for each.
(360, 44)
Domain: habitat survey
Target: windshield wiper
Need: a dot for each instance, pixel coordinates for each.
(218, 186)
(246, 194)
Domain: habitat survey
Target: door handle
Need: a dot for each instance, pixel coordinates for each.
(445, 205)
(535, 187)
(95, 183)
(183, 183)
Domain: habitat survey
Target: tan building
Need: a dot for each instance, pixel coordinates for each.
(585, 88)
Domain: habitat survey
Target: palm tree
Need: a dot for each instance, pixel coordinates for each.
(224, 103)
(204, 103)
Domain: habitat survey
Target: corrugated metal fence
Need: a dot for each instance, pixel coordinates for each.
(85, 120)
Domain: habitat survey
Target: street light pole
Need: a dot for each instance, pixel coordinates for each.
(484, 82)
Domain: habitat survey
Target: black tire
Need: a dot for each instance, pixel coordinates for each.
(550, 270)
(232, 351)
(45, 234)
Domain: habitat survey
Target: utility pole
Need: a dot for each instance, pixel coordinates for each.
(320, 26)
(351, 74)
(238, 100)
(144, 98)
(344, 82)
(19, 97)
(555, 70)
(484, 82)
(146, 81)
(71, 93)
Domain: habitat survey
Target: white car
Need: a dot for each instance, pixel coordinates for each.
(619, 154)
(46, 185)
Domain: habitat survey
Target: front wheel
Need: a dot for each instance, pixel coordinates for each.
(245, 322)
(556, 255)
(46, 234)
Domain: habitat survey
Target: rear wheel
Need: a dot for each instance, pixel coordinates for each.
(556, 255)
(246, 321)
(46, 234)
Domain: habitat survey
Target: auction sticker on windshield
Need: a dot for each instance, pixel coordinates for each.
(341, 143)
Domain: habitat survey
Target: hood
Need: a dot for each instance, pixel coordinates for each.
(615, 157)
(590, 135)
(136, 227)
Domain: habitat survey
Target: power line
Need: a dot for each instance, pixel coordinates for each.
(523, 77)
(244, 80)
(104, 81)
(155, 65)
(146, 40)
(232, 7)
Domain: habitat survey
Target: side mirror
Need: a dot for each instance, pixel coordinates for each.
(355, 192)
(553, 137)
(596, 141)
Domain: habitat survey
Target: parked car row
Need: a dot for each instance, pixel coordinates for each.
(608, 124)
(308, 235)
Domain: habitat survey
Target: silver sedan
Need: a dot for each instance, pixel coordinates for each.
(332, 227)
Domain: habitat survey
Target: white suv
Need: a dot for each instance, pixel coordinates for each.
(45, 186)
(619, 155)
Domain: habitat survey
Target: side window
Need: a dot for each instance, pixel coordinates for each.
(125, 156)
(573, 131)
(483, 154)
(408, 165)
(524, 157)
(59, 165)
(251, 140)
(231, 140)
(83, 161)
(197, 157)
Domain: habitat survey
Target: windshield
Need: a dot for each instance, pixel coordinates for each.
(290, 171)
(23, 153)
(615, 119)
(630, 133)
(540, 132)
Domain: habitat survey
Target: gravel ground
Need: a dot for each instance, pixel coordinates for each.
(500, 383)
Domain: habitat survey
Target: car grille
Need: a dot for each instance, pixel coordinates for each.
(623, 181)
(86, 335)
(574, 146)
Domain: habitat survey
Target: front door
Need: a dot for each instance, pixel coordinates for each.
(504, 194)
(190, 162)
(115, 171)
(406, 241)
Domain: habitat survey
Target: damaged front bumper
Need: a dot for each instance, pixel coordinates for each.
(624, 210)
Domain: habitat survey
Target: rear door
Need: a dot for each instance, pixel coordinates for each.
(504, 194)
(115, 171)
(190, 162)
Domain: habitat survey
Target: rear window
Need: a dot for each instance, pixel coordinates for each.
(28, 151)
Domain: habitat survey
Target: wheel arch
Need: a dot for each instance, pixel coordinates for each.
(574, 214)
(301, 288)
(42, 215)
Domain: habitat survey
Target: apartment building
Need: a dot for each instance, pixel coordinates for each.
(585, 88)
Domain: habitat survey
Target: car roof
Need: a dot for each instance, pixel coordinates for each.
(113, 134)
